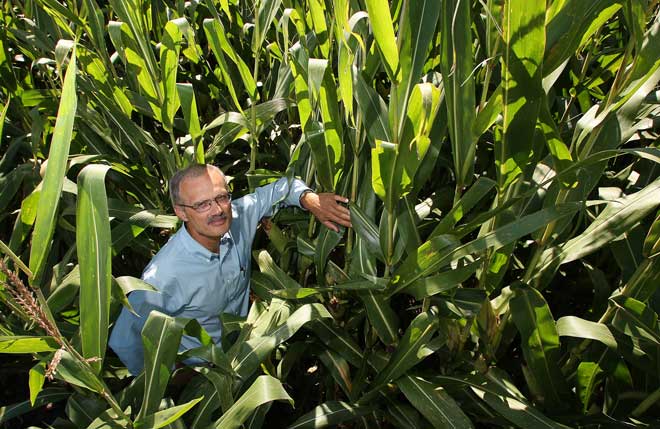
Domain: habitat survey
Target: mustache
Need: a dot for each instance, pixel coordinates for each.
(216, 217)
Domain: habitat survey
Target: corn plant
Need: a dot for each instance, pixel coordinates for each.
(500, 158)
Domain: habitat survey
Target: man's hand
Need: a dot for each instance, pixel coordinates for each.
(327, 209)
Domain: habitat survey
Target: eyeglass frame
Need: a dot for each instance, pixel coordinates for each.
(220, 199)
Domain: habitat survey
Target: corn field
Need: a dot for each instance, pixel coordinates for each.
(501, 162)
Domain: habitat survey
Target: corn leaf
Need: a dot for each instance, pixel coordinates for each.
(55, 172)
(372, 107)
(380, 314)
(47, 396)
(524, 39)
(329, 414)
(161, 336)
(616, 218)
(25, 344)
(381, 22)
(433, 402)
(416, 29)
(36, 379)
(439, 251)
(169, 62)
(636, 319)
(413, 347)
(251, 353)
(570, 24)
(264, 18)
(457, 65)
(93, 242)
(165, 417)
(496, 389)
(264, 389)
(540, 342)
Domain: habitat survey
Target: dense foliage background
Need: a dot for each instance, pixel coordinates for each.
(501, 158)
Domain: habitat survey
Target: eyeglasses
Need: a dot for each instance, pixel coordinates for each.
(205, 205)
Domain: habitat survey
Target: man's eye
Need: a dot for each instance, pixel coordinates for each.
(223, 199)
(202, 205)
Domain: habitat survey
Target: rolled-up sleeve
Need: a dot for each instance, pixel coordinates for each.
(283, 192)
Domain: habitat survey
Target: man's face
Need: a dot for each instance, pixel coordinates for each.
(206, 227)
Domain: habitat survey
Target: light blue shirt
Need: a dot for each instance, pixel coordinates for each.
(193, 282)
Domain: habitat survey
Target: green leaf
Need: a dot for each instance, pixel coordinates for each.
(652, 241)
(252, 352)
(422, 109)
(338, 341)
(325, 244)
(130, 12)
(372, 107)
(322, 96)
(495, 388)
(26, 344)
(277, 276)
(383, 158)
(635, 319)
(190, 116)
(412, 348)
(82, 409)
(589, 375)
(540, 342)
(338, 367)
(618, 217)
(572, 326)
(37, 377)
(169, 62)
(109, 420)
(75, 372)
(94, 255)
(381, 23)
(440, 251)
(457, 66)
(561, 156)
(404, 415)
(215, 35)
(142, 71)
(433, 402)
(570, 24)
(264, 18)
(380, 314)
(264, 389)
(476, 193)
(3, 115)
(524, 39)
(161, 336)
(442, 282)
(47, 396)
(165, 417)
(317, 13)
(416, 30)
(331, 414)
(55, 173)
(299, 293)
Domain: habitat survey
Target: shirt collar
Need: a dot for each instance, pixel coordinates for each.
(196, 249)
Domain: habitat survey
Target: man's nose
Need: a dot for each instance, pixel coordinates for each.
(216, 207)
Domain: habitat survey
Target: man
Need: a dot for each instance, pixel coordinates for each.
(204, 269)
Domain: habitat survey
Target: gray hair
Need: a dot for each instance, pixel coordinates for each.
(193, 170)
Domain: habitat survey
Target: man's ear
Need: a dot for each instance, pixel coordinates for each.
(181, 213)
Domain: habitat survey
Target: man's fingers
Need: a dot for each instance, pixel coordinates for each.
(341, 199)
(330, 225)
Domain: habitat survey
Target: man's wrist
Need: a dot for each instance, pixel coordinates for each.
(301, 199)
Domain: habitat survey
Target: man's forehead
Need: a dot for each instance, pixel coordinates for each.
(208, 181)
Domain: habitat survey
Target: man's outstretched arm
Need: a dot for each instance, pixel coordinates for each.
(327, 208)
